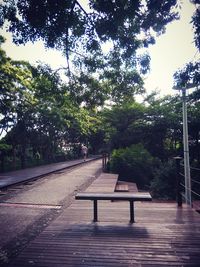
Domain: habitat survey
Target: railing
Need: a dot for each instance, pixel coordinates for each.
(105, 159)
(180, 184)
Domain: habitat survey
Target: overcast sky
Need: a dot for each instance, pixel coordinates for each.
(172, 51)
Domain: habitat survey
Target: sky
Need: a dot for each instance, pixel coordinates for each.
(172, 51)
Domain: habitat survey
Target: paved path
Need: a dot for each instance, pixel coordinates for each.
(14, 177)
(26, 211)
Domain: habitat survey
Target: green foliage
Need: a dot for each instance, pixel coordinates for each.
(155, 125)
(40, 114)
(69, 24)
(134, 164)
(163, 185)
(195, 22)
(190, 73)
(162, 132)
(4, 147)
(99, 39)
(123, 124)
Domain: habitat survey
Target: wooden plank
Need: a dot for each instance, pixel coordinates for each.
(163, 235)
(132, 187)
(196, 205)
(131, 197)
(124, 186)
(106, 182)
(121, 187)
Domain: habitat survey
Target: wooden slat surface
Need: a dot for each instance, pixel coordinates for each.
(123, 186)
(106, 182)
(163, 235)
(196, 205)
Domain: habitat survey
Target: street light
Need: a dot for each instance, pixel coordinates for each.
(185, 144)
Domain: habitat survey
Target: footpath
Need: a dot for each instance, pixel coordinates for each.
(15, 177)
(26, 210)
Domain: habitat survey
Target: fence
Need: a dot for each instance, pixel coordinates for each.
(181, 187)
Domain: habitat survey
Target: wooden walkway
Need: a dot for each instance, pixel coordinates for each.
(163, 235)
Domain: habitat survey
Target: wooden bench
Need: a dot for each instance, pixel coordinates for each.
(121, 187)
(131, 197)
(106, 182)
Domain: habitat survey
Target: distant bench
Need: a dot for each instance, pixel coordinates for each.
(125, 196)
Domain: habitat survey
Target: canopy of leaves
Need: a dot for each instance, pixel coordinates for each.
(15, 86)
(195, 22)
(64, 24)
(156, 125)
(85, 27)
(38, 111)
(190, 74)
(98, 37)
(123, 124)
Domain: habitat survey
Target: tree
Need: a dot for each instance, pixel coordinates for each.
(40, 113)
(123, 124)
(190, 73)
(154, 123)
(83, 31)
(162, 134)
(70, 25)
(16, 100)
(195, 22)
(15, 85)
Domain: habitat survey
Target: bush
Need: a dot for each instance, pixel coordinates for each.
(134, 164)
(163, 185)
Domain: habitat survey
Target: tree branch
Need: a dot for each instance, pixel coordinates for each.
(81, 8)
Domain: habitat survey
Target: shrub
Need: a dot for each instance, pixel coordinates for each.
(163, 185)
(133, 164)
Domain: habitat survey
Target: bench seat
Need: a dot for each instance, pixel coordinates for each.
(121, 187)
(106, 182)
(124, 196)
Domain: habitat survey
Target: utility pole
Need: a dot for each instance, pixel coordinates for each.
(188, 197)
(186, 151)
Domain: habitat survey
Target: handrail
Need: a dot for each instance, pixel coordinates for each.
(180, 184)
(193, 168)
(194, 181)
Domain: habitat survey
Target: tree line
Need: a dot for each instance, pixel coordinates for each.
(42, 116)
(45, 119)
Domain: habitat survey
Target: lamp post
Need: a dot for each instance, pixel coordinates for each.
(186, 146)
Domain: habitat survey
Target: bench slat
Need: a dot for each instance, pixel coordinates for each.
(121, 187)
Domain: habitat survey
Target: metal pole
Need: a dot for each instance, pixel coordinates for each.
(178, 182)
(186, 151)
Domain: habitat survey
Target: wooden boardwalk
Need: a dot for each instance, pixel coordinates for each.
(163, 235)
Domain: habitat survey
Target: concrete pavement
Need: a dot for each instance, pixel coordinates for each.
(15, 177)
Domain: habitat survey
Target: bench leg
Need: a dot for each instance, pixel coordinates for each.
(132, 211)
(95, 211)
